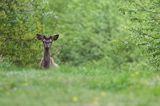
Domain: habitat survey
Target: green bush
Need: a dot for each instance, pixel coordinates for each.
(20, 21)
(87, 30)
(84, 30)
(90, 31)
(143, 26)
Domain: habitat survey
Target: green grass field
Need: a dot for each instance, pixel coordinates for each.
(79, 86)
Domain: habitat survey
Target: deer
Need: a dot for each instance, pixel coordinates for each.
(47, 61)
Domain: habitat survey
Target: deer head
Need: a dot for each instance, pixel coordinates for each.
(47, 41)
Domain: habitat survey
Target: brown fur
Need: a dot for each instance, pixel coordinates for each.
(47, 61)
(50, 64)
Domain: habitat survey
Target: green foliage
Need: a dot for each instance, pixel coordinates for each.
(143, 25)
(85, 30)
(20, 21)
(116, 33)
(4, 64)
(123, 51)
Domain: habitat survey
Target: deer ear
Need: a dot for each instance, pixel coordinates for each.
(40, 37)
(55, 37)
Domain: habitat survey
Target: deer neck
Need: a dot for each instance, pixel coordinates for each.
(47, 54)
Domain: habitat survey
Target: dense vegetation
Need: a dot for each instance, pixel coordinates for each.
(117, 33)
(108, 52)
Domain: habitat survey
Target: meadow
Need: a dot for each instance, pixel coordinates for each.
(79, 86)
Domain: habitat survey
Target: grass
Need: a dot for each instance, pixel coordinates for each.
(79, 86)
